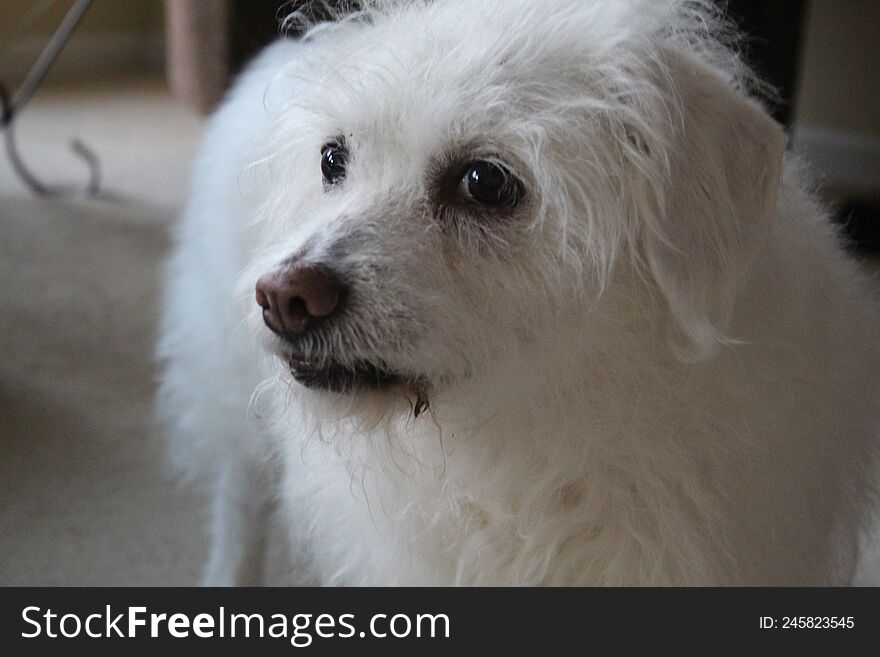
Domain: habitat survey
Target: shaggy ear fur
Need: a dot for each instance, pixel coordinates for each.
(724, 159)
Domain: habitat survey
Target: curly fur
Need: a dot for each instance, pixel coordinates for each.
(657, 369)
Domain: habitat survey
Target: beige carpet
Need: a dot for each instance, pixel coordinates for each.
(83, 495)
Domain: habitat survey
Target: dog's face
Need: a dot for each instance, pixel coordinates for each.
(457, 179)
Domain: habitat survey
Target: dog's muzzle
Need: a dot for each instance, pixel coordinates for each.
(299, 300)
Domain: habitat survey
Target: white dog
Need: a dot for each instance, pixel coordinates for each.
(539, 300)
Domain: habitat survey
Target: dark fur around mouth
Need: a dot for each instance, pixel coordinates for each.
(340, 378)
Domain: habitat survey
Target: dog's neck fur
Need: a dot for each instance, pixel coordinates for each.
(644, 489)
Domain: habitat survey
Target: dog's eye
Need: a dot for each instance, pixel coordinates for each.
(489, 184)
(334, 159)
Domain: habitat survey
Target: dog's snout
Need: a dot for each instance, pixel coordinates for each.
(293, 297)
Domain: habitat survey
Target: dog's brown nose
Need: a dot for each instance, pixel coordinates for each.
(293, 297)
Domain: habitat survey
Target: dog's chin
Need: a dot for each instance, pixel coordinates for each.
(335, 377)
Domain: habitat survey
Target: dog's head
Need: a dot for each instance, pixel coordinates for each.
(455, 180)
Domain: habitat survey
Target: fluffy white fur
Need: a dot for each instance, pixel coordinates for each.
(659, 368)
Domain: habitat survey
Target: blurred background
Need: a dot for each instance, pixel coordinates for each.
(84, 495)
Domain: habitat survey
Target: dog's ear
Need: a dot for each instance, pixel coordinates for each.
(722, 163)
